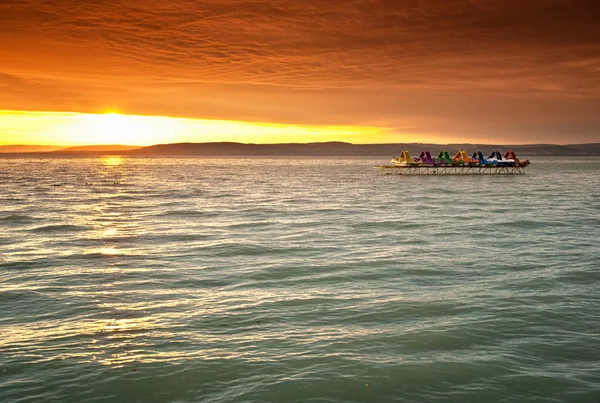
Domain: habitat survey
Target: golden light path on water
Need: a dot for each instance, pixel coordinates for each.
(120, 340)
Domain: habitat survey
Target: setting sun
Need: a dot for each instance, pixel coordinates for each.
(114, 128)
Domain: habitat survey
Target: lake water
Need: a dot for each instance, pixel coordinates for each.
(296, 280)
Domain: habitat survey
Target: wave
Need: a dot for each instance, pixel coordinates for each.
(525, 224)
(16, 217)
(59, 228)
(395, 224)
(99, 255)
(182, 213)
(229, 249)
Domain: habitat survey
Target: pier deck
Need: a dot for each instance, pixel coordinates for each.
(447, 170)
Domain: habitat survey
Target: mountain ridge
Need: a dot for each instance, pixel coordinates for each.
(349, 149)
(334, 148)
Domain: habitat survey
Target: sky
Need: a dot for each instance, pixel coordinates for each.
(502, 72)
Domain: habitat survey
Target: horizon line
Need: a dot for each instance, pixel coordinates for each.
(288, 143)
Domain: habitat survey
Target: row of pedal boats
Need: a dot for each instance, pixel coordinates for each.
(509, 159)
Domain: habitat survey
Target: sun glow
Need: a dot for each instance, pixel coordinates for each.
(111, 161)
(73, 129)
(114, 128)
(109, 251)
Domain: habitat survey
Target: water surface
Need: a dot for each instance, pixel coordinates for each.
(296, 280)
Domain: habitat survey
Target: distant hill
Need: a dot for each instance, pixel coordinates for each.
(27, 149)
(308, 149)
(347, 149)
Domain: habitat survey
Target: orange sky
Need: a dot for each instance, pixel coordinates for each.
(355, 70)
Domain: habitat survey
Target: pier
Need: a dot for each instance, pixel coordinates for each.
(448, 170)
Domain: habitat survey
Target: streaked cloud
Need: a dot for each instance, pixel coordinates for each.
(479, 67)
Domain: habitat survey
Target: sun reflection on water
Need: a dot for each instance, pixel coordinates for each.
(111, 161)
(110, 251)
(110, 232)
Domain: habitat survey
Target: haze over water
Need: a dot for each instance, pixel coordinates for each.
(296, 280)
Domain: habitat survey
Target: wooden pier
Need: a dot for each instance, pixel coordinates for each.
(448, 170)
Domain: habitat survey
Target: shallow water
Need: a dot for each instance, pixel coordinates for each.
(296, 280)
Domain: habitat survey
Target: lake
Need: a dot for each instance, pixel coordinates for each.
(296, 280)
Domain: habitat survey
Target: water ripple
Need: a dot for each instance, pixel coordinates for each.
(305, 280)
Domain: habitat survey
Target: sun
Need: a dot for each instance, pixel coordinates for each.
(115, 128)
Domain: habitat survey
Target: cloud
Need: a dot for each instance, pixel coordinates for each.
(420, 44)
(121, 52)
